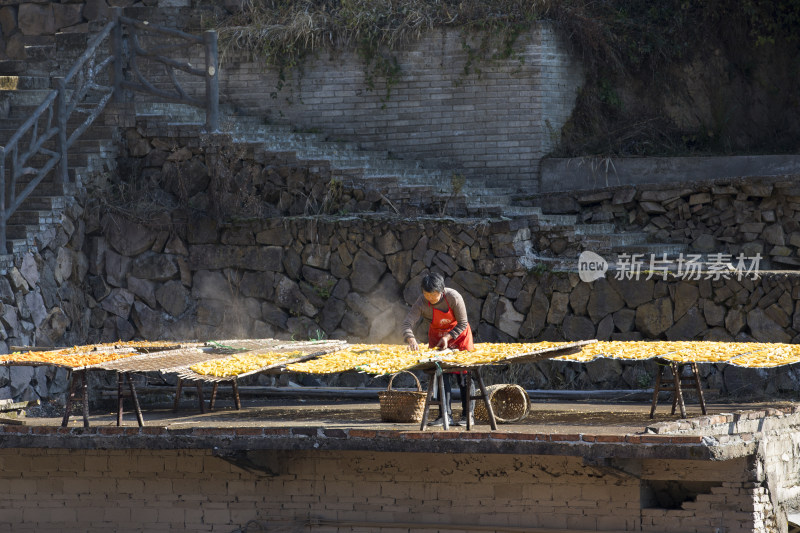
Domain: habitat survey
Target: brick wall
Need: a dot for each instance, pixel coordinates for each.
(192, 490)
(496, 124)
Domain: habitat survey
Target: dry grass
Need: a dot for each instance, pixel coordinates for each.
(282, 32)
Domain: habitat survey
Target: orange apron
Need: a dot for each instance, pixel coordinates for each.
(442, 324)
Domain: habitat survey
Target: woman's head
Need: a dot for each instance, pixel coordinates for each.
(433, 287)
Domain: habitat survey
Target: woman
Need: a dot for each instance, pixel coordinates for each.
(448, 328)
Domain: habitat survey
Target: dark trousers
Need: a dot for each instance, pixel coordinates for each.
(463, 381)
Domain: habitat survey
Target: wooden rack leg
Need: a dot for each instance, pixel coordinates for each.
(442, 402)
(470, 403)
(428, 397)
(486, 402)
(200, 400)
(656, 390)
(71, 384)
(85, 392)
(213, 399)
(699, 388)
(236, 399)
(120, 379)
(178, 388)
(136, 407)
(678, 396)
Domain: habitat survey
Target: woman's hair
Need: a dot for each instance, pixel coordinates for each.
(433, 282)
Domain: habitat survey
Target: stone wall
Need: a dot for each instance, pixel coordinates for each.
(43, 303)
(182, 274)
(728, 216)
(180, 490)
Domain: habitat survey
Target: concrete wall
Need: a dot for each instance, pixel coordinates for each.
(494, 125)
(191, 490)
(581, 173)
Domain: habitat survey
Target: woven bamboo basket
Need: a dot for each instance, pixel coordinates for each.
(510, 403)
(402, 406)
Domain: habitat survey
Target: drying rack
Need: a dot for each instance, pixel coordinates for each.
(435, 367)
(311, 349)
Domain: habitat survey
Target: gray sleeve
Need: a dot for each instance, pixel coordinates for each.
(413, 316)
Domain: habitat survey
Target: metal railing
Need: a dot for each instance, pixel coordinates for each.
(43, 141)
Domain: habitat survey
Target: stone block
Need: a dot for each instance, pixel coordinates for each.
(29, 269)
(316, 255)
(714, 314)
(66, 15)
(173, 297)
(764, 329)
(685, 296)
(36, 19)
(367, 271)
(699, 198)
(559, 305)
(603, 301)
(20, 379)
(204, 231)
(6, 292)
(118, 302)
(688, 327)
(155, 267)
(654, 318)
(579, 328)
(507, 319)
(273, 315)
(289, 296)
(211, 285)
(537, 315)
(96, 10)
(605, 328)
(15, 47)
(774, 235)
(257, 258)
(758, 190)
(35, 304)
(635, 292)
(211, 312)
(8, 19)
(624, 319)
(705, 243)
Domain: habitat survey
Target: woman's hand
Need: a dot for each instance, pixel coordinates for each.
(443, 343)
(412, 344)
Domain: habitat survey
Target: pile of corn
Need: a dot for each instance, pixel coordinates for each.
(80, 356)
(383, 359)
(744, 354)
(372, 358)
(238, 364)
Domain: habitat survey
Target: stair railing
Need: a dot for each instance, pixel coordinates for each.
(137, 29)
(43, 141)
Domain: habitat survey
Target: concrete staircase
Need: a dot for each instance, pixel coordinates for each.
(411, 189)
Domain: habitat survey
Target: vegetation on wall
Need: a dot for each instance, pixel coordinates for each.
(735, 61)
(283, 32)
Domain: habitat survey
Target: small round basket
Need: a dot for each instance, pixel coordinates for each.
(402, 406)
(510, 403)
